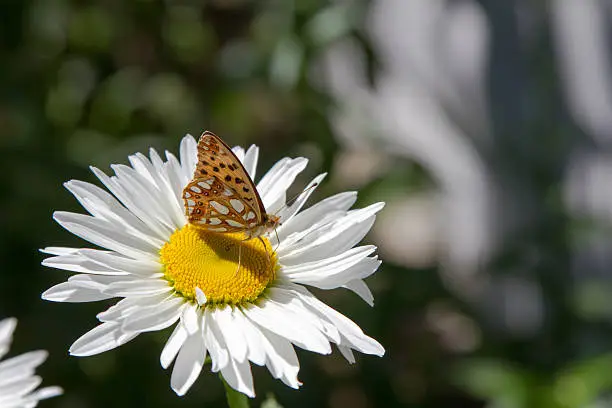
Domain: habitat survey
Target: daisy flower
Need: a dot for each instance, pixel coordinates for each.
(169, 272)
(17, 380)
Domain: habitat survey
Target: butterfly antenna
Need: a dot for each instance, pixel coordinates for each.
(266, 248)
(277, 240)
(295, 197)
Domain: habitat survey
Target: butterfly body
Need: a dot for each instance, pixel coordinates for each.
(221, 197)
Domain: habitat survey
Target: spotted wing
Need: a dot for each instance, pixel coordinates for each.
(221, 197)
(214, 206)
(215, 158)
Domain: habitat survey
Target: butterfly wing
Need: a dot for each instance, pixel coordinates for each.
(214, 206)
(221, 197)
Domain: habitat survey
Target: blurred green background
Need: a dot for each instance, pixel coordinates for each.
(485, 125)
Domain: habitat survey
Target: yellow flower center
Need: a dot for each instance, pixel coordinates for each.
(226, 267)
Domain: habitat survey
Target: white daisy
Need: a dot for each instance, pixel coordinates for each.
(17, 380)
(169, 272)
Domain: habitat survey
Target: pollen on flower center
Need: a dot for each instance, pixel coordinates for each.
(194, 258)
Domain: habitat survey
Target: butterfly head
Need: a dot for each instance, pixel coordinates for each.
(271, 221)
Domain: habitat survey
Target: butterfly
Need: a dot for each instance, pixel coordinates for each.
(222, 197)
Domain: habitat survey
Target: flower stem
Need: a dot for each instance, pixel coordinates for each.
(235, 399)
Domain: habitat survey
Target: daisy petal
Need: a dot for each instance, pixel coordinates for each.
(189, 363)
(232, 334)
(250, 160)
(274, 184)
(238, 376)
(337, 204)
(104, 337)
(173, 345)
(155, 318)
(362, 290)
(272, 317)
(76, 290)
(214, 341)
(287, 213)
(101, 233)
(189, 156)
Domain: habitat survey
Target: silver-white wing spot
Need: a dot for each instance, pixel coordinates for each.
(191, 203)
(195, 189)
(228, 192)
(238, 205)
(220, 208)
(218, 229)
(249, 216)
(214, 221)
(187, 194)
(204, 185)
(234, 223)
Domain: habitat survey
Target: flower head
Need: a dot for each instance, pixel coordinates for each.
(235, 299)
(17, 380)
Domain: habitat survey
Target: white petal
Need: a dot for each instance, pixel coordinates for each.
(58, 250)
(24, 362)
(191, 319)
(77, 289)
(188, 364)
(139, 287)
(332, 238)
(45, 393)
(291, 302)
(103, 205)
(125, 307)
(275, 318)
(141, 267)
(189, 155)
(200, 296)
(232, 333)
(239, 152)
(106, 235)
(214, 341)
(145, 194)
(174, 174)
(250, 160)
(281, 358)
(104, 337)
(156, 317)
(286, 213)
(238, 376)
(76, 262)
(360, 288)
(340, 278)
(134, 203)
(274, 184)
(7, 327)
(326, 267)
(337, 204)
(347, 353)
(19, 388)
(355, 338)
(173, 345)
(255, 351)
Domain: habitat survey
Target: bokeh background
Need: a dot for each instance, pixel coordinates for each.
(485, 125)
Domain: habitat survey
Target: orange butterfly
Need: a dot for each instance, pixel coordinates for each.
(222, 197)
